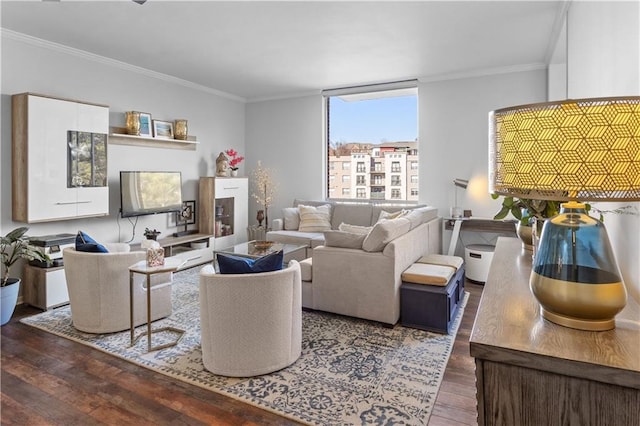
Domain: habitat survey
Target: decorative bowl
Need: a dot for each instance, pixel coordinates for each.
(262, 245)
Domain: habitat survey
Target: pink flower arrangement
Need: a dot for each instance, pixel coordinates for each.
(234, 158)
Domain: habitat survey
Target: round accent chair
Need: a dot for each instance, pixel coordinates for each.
(98, 285)
(251, 323)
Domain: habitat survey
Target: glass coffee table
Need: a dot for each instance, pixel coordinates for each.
(254, 251)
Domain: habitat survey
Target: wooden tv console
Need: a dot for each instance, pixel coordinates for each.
(530, 371)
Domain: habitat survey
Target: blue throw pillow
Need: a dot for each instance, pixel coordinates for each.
(88, 244)
(241, 265)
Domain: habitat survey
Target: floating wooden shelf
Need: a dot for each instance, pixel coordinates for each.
(118, 136)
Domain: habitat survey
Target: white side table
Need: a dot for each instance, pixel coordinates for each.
(171, 264)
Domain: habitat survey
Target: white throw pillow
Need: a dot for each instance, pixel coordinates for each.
(291, 218)
(385, 215)
(354, 229)
(343, 239)
(315, 219)
(384, 232)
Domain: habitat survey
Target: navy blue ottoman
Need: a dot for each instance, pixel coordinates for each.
(431, 294)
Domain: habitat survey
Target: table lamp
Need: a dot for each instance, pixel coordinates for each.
(572, 151)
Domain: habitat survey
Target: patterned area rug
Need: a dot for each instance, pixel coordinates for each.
(351, 371)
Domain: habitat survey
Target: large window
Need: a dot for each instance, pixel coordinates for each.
(375, 128)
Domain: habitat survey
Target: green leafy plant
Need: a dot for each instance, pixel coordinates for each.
(525, 209)
(13, 246)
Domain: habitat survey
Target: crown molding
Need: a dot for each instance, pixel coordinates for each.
(114, 63)
(483, 72)
(283, 96)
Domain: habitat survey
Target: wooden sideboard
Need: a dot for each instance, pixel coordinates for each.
(530, 371)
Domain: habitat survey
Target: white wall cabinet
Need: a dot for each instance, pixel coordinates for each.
(223, 209)
(59, 159)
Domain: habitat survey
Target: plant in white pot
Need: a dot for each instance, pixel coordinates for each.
(14, 246)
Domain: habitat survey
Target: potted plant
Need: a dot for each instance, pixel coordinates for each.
(151, 234)
(529, 213)
(15, 245)
(234, 160)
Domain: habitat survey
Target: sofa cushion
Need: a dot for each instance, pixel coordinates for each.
(422, 273)
(442, 260)
(354, 214)
(297, 203)
(241, 265)
(296, 237)
(428, 213)
(291, 217)
(415, 217)
(343, 239)
(315, 219)
(87, 244)
(355, 229)
(385, 231)
(377, 209)
(385, 215)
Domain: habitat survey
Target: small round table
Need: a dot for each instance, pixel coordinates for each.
(171, 264)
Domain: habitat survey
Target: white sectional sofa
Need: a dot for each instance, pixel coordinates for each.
(357, 271)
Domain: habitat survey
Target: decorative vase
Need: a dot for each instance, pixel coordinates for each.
(8, 299)
(132, 122)
(260, 217)
(234, 172)
(525, 233)
(180, 129)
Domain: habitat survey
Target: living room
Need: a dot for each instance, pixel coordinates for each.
(285, 131)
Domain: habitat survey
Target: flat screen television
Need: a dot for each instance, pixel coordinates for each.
(143, 193)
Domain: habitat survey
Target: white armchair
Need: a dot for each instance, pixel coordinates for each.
(98, 285)
(251, 323)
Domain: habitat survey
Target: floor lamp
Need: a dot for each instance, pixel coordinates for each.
(572, 151)
(456, 212)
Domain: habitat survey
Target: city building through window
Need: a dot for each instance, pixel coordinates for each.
(372, 145)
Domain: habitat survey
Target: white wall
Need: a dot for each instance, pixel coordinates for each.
(453, 135)
(286, 136)
(604, 60)
(218, 122)
(453, 140)
(557, 71)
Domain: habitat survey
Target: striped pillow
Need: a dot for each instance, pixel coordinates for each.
(315, 219)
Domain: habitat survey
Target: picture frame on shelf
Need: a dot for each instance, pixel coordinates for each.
(188, 214)
(146, 125)
(162, 129)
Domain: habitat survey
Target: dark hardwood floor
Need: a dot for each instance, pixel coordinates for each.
(49, 380)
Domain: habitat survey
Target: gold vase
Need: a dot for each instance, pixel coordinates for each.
(132, 122)
(180, 131)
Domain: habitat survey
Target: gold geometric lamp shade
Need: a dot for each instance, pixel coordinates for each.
(575, 150)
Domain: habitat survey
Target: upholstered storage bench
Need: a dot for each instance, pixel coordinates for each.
(431, 292)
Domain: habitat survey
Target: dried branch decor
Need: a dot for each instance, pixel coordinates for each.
(263, 189)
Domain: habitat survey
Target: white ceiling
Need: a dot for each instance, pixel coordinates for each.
(265, 49)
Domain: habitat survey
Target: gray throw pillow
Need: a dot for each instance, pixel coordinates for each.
(343, 239)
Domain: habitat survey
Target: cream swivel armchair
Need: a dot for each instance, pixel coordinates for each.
(98, 285)
(251, 323)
